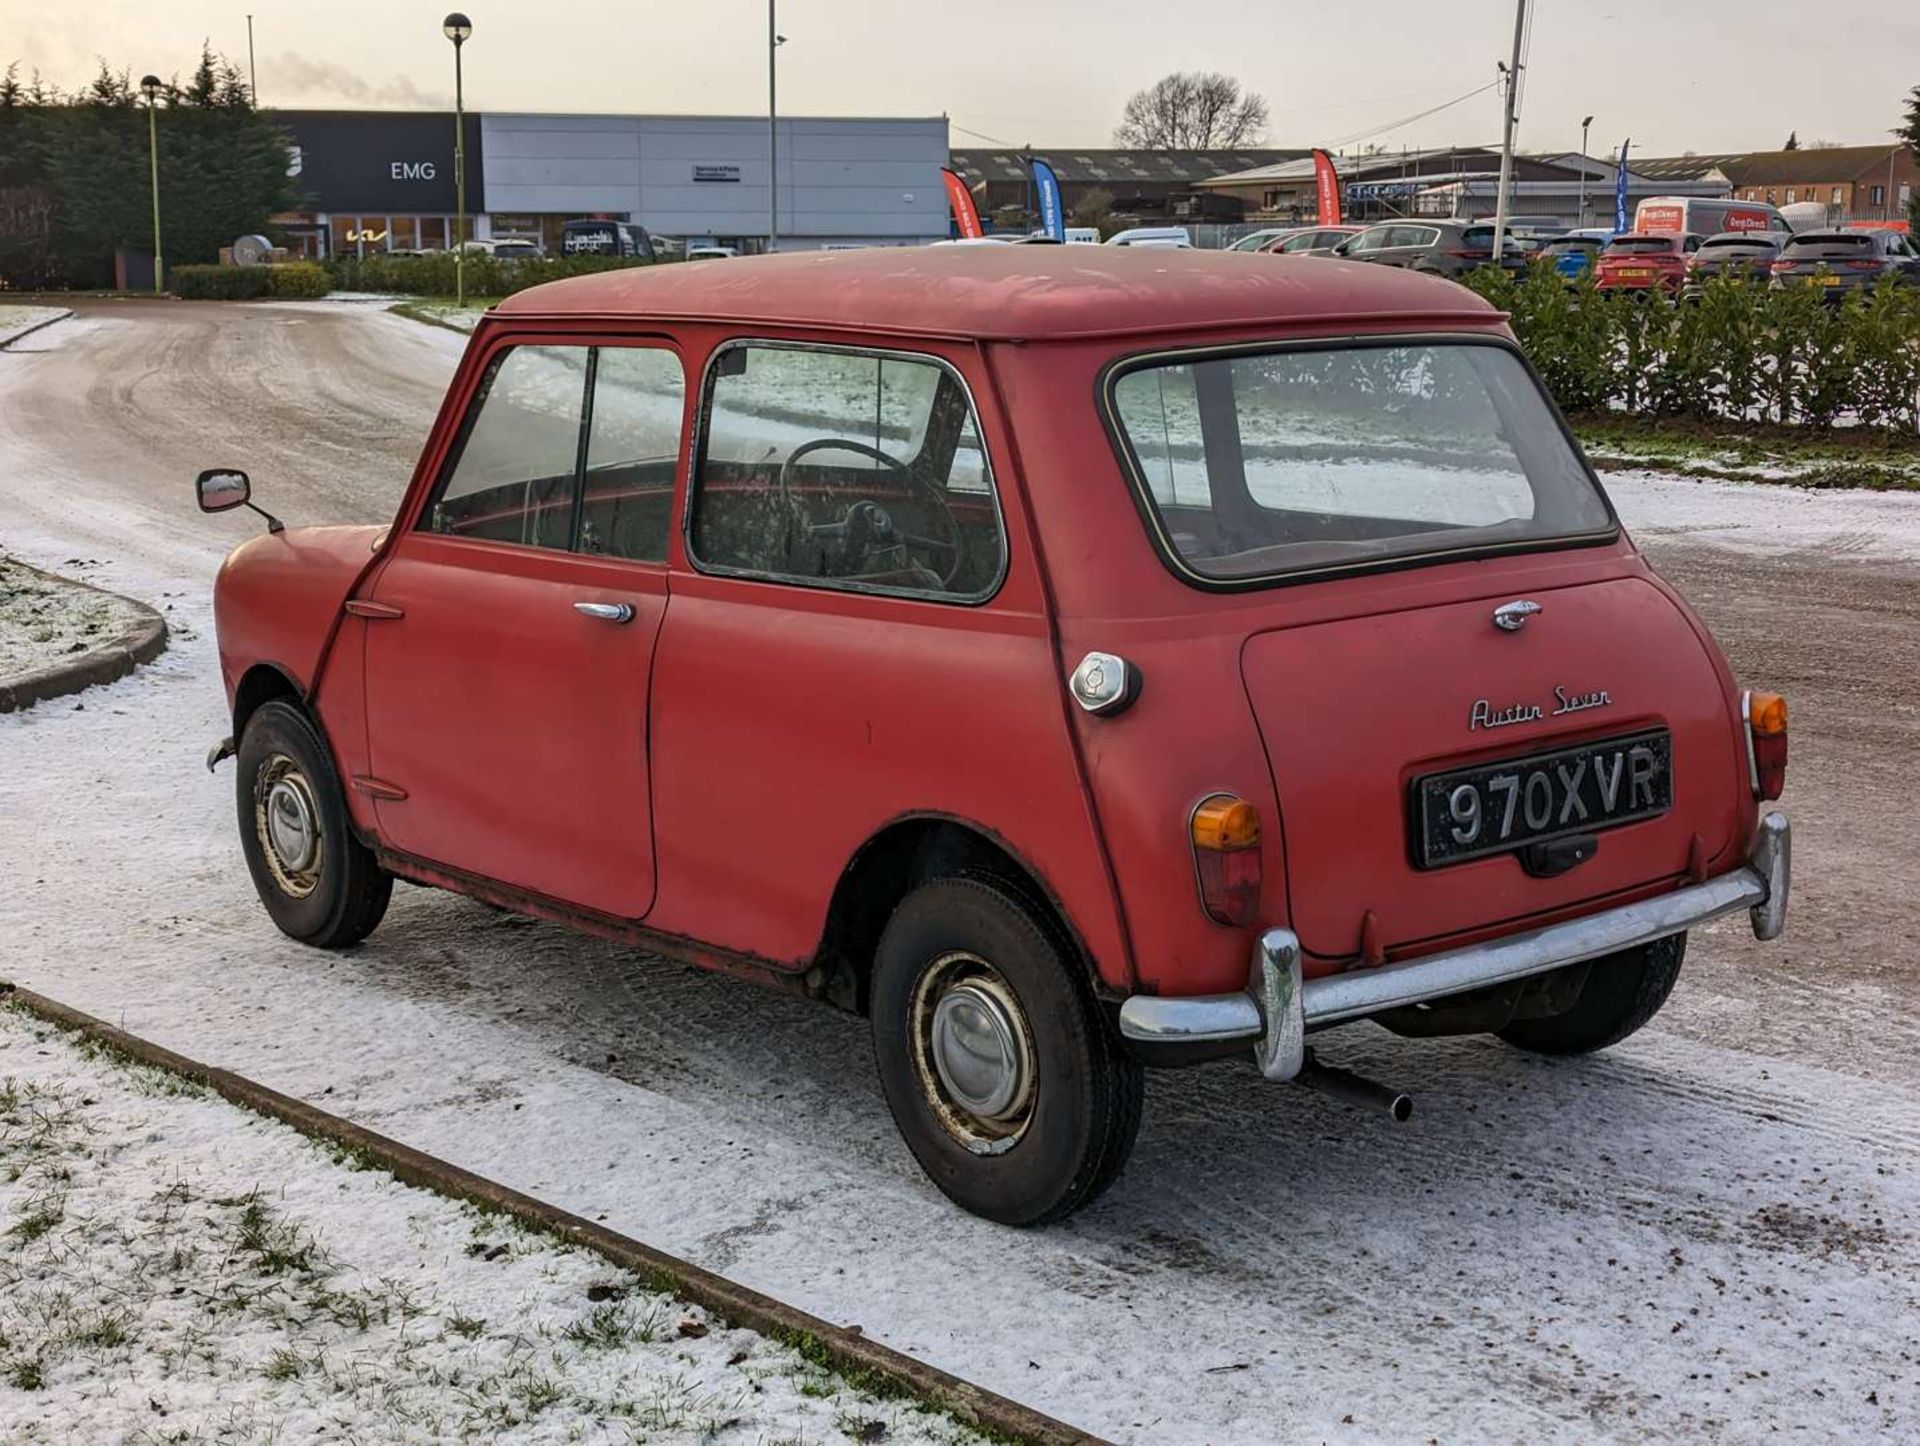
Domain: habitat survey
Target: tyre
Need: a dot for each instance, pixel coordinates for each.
(1001, 1070)
(320, 884)
(1623, 991)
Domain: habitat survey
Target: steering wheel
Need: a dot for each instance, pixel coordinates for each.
(867, 525)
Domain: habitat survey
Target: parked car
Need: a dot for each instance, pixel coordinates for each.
(1655, 264)
(1440, 248)
(1312, 240)
(606, 238)
(1069, 661)
(1751, 252)
(1574, 254)
(1173, 236)
(1262, 239)
(1843, 261)
(504, 247)
(711, 253)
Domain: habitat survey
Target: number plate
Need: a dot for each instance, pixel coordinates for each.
(1471, 812)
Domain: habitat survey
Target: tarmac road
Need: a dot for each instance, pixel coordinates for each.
(1710, 1231)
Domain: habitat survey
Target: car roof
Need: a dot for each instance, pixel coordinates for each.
(1025, 293)
(1828, 238)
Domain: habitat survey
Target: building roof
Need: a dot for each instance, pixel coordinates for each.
(1806, 166)
(1114, 167)
(1007, 293)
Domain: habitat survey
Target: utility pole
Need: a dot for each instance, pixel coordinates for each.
(774, 37)
(253, 76)
(1506, 143)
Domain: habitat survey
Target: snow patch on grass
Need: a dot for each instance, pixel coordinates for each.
(45, 620)
(17, 320)
(173, 1268)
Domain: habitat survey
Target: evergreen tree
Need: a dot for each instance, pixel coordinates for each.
(1910, 133)
(75, 183)
(1793, 141)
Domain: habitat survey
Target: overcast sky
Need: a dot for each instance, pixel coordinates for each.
(1675, 76)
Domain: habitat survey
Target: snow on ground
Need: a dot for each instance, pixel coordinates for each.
(16, 321)
(1674, 1241)
(175, 1268)
(44, 620)
(1770, 519)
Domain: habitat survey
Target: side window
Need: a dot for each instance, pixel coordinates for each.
(1367, 241)
(844, 469)
(633, 449)
(512, 478)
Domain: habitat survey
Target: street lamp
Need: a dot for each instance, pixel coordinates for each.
(1585, 126)
(150, 88)
(774, 41)
(456, 27)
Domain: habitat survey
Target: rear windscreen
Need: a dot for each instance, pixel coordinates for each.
(1830, 245)
(1640, 246)
(1749, 242)
(1260, 465)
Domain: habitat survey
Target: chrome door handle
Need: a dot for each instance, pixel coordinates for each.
(608, 612)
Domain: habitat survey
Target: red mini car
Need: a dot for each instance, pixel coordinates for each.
(1072, 659)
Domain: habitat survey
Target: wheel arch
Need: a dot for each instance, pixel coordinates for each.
(896, 859)
(262, 683)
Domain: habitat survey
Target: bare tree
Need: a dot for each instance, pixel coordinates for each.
(1192, 111)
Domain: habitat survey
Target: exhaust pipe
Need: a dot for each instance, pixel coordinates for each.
(1355, 1089)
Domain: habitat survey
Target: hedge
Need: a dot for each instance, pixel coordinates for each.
(433, 274)
(304, 279)
(1742, 351)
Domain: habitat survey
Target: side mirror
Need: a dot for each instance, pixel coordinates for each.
(221, 490)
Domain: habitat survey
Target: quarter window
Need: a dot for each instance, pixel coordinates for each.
(845, 469)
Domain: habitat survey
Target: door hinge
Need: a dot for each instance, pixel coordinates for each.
(362, 607)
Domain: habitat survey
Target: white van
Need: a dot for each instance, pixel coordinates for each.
(1083, 235)
(1175, 236)
(1704, 216)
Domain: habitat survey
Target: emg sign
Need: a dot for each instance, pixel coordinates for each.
(411, 170)
(382, 163)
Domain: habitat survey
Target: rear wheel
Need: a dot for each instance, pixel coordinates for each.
(1623, 991)
(1000, 1070)
(319, 883)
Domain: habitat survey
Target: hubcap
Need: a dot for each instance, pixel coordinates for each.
(288, 825)
(973, 1052)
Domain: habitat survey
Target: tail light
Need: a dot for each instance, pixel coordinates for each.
(1474, 255)
(1226, 858)
(1785, 265)
(1864, 265)
(1766, 743)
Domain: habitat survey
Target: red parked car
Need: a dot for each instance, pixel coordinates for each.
(1648, 262)
(1072, 661)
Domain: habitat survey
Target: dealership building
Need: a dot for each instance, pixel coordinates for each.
(384, 180)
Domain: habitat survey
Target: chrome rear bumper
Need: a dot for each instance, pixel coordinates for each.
(1275, 1010)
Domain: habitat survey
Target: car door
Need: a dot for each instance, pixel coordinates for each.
(511, 629)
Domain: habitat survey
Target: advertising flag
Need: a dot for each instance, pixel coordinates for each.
(966, 216)
(1620, 190)
(1326, 189)
(1046, 185)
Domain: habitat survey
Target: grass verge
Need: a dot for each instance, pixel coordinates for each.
(1740, 452)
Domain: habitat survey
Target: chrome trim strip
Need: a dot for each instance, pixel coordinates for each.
(1746, 732)
(1277, 1008)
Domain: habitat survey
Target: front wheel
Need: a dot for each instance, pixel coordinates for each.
(1623, 991)
(1000, 1070)
(319, 883)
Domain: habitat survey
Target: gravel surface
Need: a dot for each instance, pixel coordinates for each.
(1710, 1233)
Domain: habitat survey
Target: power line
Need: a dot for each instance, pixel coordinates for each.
(1421, 115)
